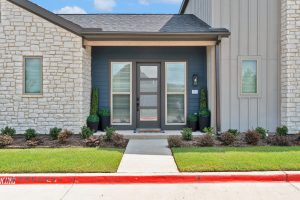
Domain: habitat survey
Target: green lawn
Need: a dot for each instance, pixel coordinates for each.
(72, 160)
(237, 159)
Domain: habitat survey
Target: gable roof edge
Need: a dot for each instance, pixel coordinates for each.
(183, 6)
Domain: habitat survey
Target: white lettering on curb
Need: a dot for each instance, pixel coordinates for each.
(7, 181)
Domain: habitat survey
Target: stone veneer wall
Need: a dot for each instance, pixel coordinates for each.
(290, 64)
(65, 101)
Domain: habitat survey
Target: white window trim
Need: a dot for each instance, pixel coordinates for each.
(179, 93)
(120, 93)
(27, 94)
(258, 80)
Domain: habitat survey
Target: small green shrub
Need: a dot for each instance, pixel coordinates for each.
(5, 140)
(263, 132)
(64, 135)
(30, 133)
(54, 132)
(228, 138)
(204, 113)
(175, 141)
(93, 119)
(8, 131)
(187, 134)
(104, 112)
(206, 140)
(235, 132)
(109, 132)
(252, 137)
(282, 131)
(192, 118)
(209, 130)
(86, 132)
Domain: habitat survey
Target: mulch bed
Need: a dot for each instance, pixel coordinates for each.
(45, 141)
(293, 140)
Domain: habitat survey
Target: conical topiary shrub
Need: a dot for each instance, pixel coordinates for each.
(204, 113)
(93, 119)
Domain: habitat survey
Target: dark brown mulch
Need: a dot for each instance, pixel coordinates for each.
(240, 141)
(45, 141)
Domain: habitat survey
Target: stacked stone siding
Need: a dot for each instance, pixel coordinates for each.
(66, 73)
(290, 68)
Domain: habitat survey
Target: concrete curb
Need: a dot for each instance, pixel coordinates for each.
(148, 179)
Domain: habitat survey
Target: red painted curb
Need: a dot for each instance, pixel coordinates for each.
(293, 177)
(157, 179)
(244, 178)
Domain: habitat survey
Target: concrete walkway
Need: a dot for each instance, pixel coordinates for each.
(148, 156)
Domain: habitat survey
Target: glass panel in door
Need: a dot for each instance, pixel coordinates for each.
(148, 95)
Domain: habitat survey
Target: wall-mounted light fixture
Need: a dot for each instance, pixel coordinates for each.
(195, 80)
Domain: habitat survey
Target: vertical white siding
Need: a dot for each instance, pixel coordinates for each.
(200, 8)
(255, 28)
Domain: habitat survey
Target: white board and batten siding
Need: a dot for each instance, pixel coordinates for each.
(201, 9)
(255, 31)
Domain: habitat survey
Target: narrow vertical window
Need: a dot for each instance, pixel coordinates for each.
(121, 93)
(33, 75)
(249, 76)
(175, 93)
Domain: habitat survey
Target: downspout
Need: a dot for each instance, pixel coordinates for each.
(217, 61)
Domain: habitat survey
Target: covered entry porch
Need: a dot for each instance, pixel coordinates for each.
(149, 69)
(154, 88)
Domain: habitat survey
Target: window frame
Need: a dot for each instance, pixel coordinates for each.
(24, 76)
(258, 76)
(175, 93)
(121, 93)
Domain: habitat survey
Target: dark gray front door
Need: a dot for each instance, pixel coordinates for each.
(148, 95)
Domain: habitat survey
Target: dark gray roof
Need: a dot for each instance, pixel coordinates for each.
(141, 23)
(129, 26)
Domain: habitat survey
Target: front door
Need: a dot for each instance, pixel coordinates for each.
(148, 95)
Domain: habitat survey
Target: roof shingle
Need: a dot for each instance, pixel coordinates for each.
(187, 23)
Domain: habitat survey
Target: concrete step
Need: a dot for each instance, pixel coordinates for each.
(147, 136)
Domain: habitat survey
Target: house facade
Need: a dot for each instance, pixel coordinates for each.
(149, 69)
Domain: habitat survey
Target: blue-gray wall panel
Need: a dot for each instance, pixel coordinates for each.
(195, 56)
